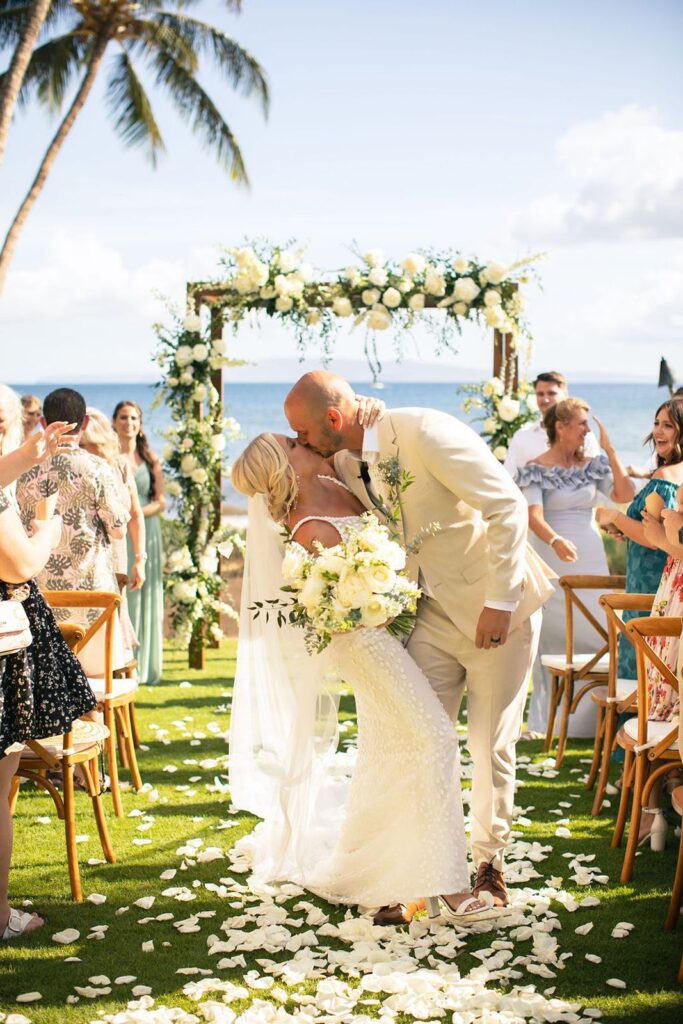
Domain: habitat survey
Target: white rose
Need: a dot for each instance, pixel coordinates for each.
(219, 345)
(258, 274)
(342, 306)
(374, 257)
(352, 591)
(494, 386)
(406, 284)
(494, 316)
(179, 560)
(378, 276)
(508, 408)
(351, 274)
(500, 452)
(287, 260)
(370, 296)
(192, 323)
(293, 562)
(167, 452)
(208, 562)
(466, 289)
(414, 264)
(392, 298)
(268, 293)
(183, 355)
(199, 475)
(173, 488)
(245, 256)
(331, 561)
(313, 316)
(188, 463)
(172, 382)
(185, 591)
(243, 284)
(495, 273)
(417, 301)
(374, 613)
(531, 403)
(435, 283)
(281, 284)
(199, 392)
(491, 297)
(218, 442)
(380, 578)
(312, 592)
(200, 353)
(284, 304)
(461, 308)
(490, 425)
(187, 376)
(461, 265)
(379, 318)
(186, 444)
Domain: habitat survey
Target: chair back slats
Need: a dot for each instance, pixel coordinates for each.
(109, 602)
(573, 602)
(638, 631)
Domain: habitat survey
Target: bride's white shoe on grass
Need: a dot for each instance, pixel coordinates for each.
(472, 908)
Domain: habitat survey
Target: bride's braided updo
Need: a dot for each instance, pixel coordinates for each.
(263, 468)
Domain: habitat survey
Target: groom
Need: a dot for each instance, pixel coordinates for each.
(479, 618)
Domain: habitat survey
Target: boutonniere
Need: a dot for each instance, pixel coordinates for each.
(397, 482)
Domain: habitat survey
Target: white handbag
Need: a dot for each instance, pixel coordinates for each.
(15, 632)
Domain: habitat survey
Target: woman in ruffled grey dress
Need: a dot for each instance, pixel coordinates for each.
(561, 488)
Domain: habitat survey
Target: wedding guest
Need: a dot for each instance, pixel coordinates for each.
(531, 440)
(560, 487)
(146, 605)
(645, 561)
(87, 498)
(42, 688)
(11, 420)
(99, 439)
(32, 410)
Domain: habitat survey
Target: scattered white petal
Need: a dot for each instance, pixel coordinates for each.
(29, 997)
(66, 936)
(616, 983)
(97, 898)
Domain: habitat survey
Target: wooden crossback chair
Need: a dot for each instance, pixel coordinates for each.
(77, 748)
(114, 695)
(617, 696)
(677, 891)
(651, 748)
(571, 669)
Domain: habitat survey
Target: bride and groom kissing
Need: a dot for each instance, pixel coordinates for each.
(392, 834)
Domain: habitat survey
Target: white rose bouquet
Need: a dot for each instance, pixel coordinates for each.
(359, 582)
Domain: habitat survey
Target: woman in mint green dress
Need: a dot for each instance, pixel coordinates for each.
(146, 605)
(644, 563)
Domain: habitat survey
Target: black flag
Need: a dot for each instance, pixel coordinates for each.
(666, 377)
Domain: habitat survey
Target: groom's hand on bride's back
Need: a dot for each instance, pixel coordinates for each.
(369, 411)
(492, 628)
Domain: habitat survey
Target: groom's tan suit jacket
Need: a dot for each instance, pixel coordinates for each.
(479, 552)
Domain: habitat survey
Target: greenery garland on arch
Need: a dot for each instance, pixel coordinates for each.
(376, 294)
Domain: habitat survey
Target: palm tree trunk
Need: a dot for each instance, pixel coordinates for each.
(36, 188)
(17, 69)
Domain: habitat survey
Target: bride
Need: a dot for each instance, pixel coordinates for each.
(395, 834)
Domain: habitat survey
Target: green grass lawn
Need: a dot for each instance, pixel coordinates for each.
(184, 729)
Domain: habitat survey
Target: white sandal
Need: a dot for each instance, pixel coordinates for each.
(470, 909)
(18, 922)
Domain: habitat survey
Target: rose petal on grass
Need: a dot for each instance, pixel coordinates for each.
(125, 979)
(145, 902)
(616, 983)
(66, 936)
(99, 980)
(147, 947)
(584, 929)
(97, 898)
(29, 997)
(593, 958)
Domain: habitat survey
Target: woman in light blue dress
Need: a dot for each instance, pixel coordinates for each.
(146, 605)
(561, 488)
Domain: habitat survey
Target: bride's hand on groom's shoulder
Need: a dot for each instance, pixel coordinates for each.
(370, 410)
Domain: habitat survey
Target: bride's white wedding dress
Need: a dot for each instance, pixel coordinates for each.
(395, 831)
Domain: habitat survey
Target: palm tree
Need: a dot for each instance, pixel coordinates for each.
(23, 32)
(169, 43)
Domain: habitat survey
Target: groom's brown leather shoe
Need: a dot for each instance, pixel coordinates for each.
(390, 915)
(490, 879)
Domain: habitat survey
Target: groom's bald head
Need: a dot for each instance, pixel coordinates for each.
(321, 409)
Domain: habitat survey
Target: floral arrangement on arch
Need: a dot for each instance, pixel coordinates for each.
(503, 411)
(193, 456)
(378, 293)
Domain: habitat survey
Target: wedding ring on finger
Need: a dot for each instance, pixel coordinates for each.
(495, 640)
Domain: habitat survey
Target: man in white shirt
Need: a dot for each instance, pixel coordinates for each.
(531, 440)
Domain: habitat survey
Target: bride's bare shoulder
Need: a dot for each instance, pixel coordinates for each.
(315, 530)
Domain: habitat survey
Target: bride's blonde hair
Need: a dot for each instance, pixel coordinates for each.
(263, 468)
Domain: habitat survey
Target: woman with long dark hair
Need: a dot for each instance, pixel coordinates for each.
(146, 606)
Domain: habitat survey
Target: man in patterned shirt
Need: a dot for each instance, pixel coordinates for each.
(90, 507)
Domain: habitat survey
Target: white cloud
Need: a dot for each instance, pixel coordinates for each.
(624, 180)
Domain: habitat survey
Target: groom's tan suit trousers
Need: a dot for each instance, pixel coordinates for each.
(477, 554)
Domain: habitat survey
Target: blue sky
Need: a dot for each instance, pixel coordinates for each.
(499, 129)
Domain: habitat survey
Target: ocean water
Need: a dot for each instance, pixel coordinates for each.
(627, 410)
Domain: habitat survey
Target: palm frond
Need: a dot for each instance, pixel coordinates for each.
(13, 17)
(150, 33)
(52, 68)
(239, 66)
(199, 110)
(130, 107)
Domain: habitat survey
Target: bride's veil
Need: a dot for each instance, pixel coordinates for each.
(283, 730)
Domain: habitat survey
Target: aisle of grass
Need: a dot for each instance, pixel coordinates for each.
(184, 728)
